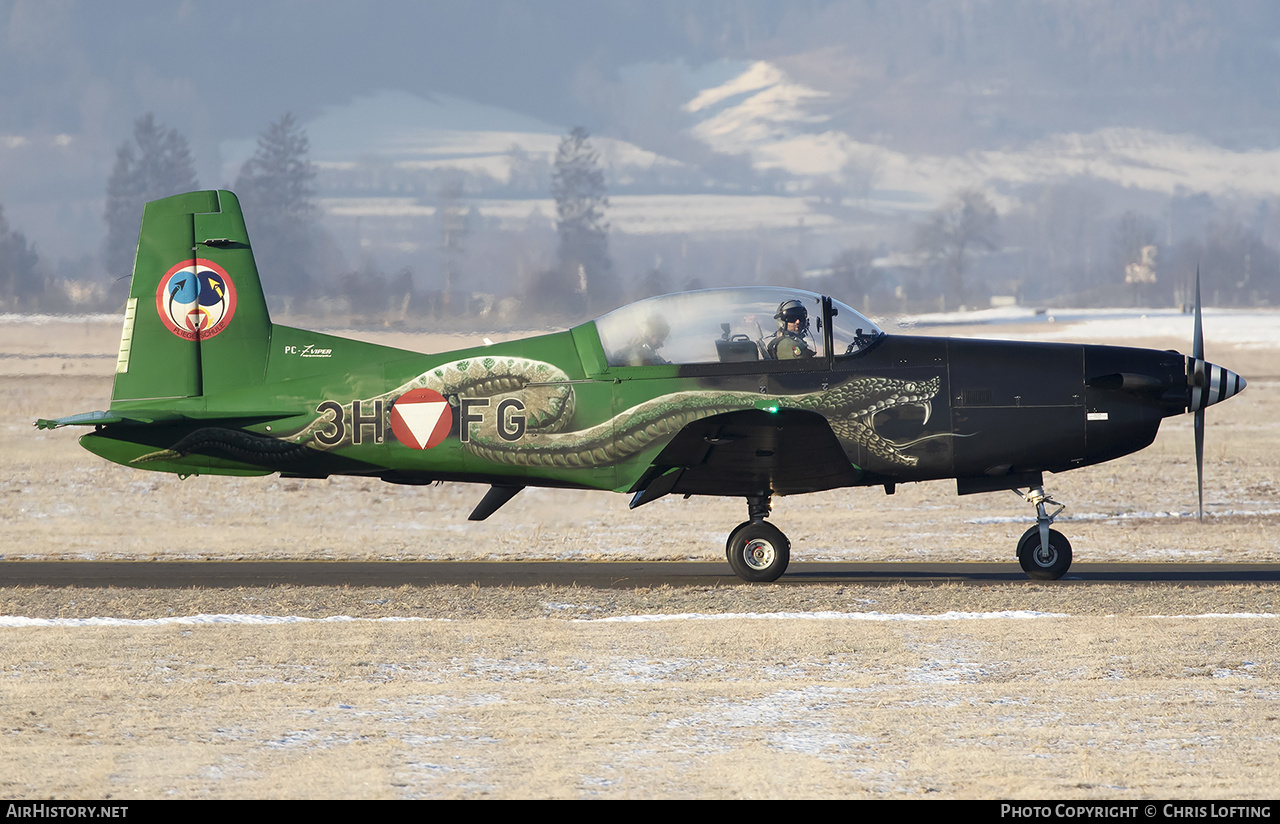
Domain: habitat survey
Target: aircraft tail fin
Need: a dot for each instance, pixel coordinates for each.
(196, 321)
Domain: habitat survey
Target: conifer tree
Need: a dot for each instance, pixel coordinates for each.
(277, 192)
(157, 163)
(584, 276)
(21, 281)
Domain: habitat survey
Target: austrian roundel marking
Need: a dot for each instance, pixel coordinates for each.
(421, 418)
(196, 299)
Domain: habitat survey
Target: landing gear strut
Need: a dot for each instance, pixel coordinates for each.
(758, 551)
(1044, 553)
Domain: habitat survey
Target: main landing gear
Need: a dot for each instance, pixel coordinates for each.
(1044, 553)
(758, 551)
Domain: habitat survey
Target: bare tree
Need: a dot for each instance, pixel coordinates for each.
(1066, 215)
(861, 173)
(452, 217)
(966, 223)
(853, 275)
(1242, 268)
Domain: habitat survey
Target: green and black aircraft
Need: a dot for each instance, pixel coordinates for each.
(750, 392)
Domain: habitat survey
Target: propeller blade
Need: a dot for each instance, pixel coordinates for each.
(1197, 339)
(1199, 427)
(1197, 352)
(1208, 384)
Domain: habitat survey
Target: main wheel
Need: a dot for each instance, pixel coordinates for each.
(728, 542)
(758, 552)
(1044, 563)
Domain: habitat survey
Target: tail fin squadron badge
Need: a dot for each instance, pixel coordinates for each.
(196, 299)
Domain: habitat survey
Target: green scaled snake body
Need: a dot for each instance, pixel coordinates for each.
(547, 396)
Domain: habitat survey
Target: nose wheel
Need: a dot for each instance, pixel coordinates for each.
(1043, 553)
(1045, 561)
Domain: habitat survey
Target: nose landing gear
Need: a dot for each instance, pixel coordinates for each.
(1044, 553)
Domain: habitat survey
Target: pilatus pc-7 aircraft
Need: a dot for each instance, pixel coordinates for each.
(751, 392)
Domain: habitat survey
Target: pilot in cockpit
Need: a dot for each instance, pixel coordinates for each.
(643, 349)
(789, 343)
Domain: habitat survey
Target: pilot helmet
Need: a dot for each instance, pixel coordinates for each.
(792, 310)
(656, 328)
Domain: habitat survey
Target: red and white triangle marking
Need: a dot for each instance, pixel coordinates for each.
(421, 418)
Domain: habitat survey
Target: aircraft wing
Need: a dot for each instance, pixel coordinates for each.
(750, 452)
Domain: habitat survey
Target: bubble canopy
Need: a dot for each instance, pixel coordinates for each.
(725, 326)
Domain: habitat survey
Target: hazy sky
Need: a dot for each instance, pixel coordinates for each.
(222, 69)
(77, 73)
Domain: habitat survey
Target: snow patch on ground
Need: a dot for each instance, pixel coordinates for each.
(19, 622)
(1251, 327)
(1124, 516)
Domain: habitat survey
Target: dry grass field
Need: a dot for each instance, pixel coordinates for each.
(765, 692)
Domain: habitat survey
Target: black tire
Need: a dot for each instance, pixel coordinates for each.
(728, 542)
(759, 552)
(1044, 565)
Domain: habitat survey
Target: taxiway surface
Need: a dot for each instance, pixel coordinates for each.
(600, 575)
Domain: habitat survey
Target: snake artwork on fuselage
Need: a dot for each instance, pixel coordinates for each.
(753, 392)
(543, 395)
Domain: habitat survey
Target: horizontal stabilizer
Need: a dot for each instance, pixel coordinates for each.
(103, 418)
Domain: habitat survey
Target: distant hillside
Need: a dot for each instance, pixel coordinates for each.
(942, 76)
(752, 139)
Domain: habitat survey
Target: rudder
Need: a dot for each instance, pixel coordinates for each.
(196, 322)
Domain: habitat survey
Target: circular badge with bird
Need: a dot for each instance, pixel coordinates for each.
(196, 299)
